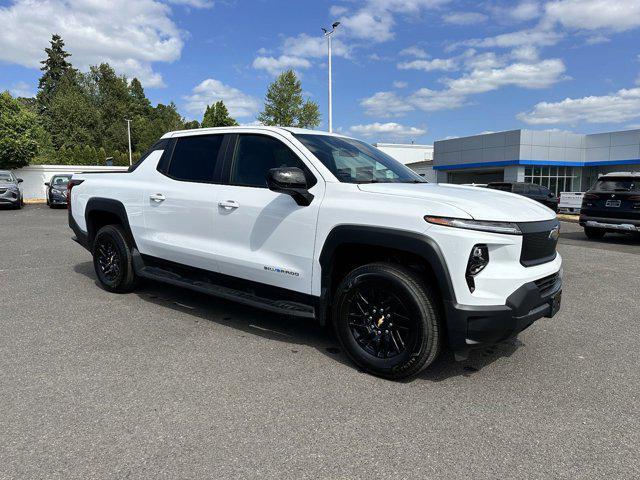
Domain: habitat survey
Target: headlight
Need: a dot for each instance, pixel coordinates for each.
(493, 227)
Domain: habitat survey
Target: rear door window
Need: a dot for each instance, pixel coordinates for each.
(195, 158)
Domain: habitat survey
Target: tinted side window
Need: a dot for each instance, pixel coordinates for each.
(194, 158)
(255, 155)
(518, 188)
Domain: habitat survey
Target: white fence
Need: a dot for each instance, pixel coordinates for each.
(34, 176)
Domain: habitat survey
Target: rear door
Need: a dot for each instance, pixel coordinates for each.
(260, 235)
(180, 204)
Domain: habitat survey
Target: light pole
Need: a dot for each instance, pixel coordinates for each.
(328, 34)
(129, 135)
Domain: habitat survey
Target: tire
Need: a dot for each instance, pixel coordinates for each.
(113, 261)
(396, 293)
(594, 233)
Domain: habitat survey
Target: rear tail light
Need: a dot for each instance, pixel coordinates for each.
(636, 200)
(72, 183)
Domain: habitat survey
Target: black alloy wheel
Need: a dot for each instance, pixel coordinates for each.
(108, 259)
(113, 259)
(379, 320)
(387, 320)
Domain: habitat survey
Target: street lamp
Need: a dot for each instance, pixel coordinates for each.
(129, 135)
(328, 34)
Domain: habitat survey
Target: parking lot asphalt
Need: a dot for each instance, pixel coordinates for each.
(166, 383)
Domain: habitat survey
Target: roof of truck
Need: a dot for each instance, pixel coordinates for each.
(293, 130)
(622, 174)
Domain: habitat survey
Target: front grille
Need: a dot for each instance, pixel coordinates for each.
(546, 285)
(538, 244)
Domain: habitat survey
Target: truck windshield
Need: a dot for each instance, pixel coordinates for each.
(352, 161)
(621, 184)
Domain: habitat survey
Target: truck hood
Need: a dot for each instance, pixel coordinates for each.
(480, 203)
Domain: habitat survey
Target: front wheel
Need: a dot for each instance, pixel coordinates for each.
(387, 320)
(594, 233)
(113, 261)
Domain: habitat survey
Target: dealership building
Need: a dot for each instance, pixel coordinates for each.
(561, 161)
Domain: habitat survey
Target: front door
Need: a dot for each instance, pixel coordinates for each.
(262, 235)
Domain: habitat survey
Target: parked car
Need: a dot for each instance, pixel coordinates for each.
(57, 190)
(533, 191)
(311, 224)
(612, 205)
(10, 191)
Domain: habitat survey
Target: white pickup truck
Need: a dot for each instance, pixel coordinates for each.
(311, 224)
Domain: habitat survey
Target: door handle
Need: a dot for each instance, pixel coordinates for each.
(228, 204)
(157, 197)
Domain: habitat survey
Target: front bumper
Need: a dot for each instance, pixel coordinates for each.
(613, 224)
(10, 197)
(57, 198)
(474, 326)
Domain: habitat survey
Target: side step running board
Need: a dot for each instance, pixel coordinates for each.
(284, 307)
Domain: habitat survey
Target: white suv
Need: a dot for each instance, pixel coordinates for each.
(312, 224)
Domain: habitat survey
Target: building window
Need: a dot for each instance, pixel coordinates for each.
(556, 179)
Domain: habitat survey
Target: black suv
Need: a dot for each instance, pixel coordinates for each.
(530, 190)
(612, 205)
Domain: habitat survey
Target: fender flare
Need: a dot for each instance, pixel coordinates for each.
(108, 205)
(402, 240)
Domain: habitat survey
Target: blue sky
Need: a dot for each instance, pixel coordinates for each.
(404, 70)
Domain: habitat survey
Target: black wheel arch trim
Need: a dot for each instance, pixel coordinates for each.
(402, 240)
(106, 205)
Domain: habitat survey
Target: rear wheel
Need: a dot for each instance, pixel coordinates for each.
(594, 233)
(113, 261)
(387, 321)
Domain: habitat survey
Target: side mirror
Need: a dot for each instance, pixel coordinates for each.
(291, 181)
(47, 184)
(20, 180)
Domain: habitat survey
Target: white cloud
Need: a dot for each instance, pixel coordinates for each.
(390, 129)
(22, 89)
(314, 47)
(296, 52)
(375, 19)
(276, 65)
(617, 16)
(484, 75)
(413, 51)
(527, 75)
(194, 3)
(130, 35)
(524, 11)
(385, 104)
(211, 90)
(621, 106)
(337, 10)
(538, 36)
(446, 64)
(464, 18)
(400, 84)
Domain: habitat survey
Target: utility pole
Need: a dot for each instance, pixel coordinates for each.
(129, 135)
(328, 34)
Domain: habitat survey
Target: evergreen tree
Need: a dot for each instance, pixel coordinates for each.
(285, 107)
(18, 133)
(140, 104)
(192, 124)
(54, 68)
(217, 115)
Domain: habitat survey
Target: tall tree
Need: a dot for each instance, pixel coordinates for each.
(72, 118)
(285, 107)
(140, 104)
(54, 68)
(217, 115)
(18, 133)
